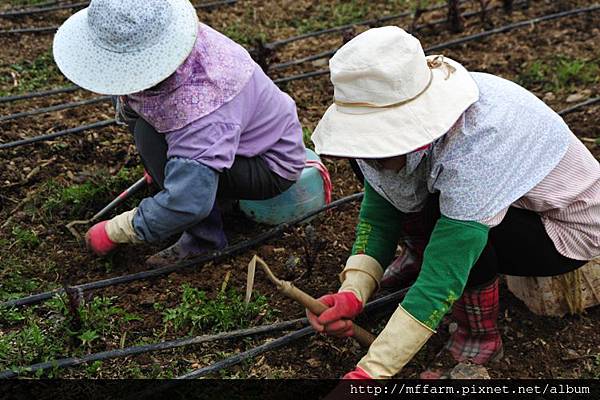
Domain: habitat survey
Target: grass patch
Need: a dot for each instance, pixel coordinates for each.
(29, 75)
(198, 313)
(558, 74)
(83, 200)
(25, 238)
(327, 15)
(306, 134)
(60, 331)
(12, 282)
(244, 34)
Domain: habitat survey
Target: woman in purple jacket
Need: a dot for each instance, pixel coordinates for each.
(207, 121)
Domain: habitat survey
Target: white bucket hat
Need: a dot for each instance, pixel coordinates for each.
(389, 99)
(119, 47)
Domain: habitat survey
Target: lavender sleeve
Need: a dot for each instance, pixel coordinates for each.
(213, 144)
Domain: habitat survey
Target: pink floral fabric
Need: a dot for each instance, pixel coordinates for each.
(214, 73)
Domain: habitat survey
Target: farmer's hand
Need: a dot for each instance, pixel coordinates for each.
(335, 321)
(97, 240)
(357, 373)
(105, 236)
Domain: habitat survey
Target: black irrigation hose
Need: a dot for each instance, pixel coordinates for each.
(576, 107)
(298, 77)
(147, 348)
(329, 53)
(50, 136)
(322, 72)
(516, 25)
(228, 251)
(282, 341)
(40, 10)
(454, 42)
(278, 43)
(20, 31)
(450, 43)
(206, 6)
(50, 109)
(33, 95)
(255, 351)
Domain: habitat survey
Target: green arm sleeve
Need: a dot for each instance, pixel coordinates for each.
(452, 251)
(378, 228)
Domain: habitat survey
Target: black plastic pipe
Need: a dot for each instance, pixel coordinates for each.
(206, 6)
(40, 10)
(228, 251)
(50, 109)
(50, 136)
(33, 95)
(282, 341)
(448, 44)
(147, 348)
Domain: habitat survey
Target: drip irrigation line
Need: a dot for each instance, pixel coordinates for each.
(238, 358)
(277, 343)
(516, 25)
(454, 42)
(21, 31)
(577, 107)
(448, 44)
(205, 6)
(298, 77)
(329, 53)
(50, 136)
(228, 251)
(147, 348)
(50, 109)
(33, 95)
(40, 10)
(322, 72)
(374, 21)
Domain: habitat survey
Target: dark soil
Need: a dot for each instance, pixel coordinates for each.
(534, 346)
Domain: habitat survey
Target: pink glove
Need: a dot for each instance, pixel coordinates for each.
(335, 321)
(358, 373)
(148, 178)
(97, 239)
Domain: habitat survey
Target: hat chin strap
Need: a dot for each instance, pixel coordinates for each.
(436, 62)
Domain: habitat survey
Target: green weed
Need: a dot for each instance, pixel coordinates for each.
(30, 75)
(306, 134)
(327, 15)
(13, 315)
(12, 282)
(29, 345)
(81, 200)
(244, 34)
(227, 311)
(560, 73)
(25, 238)
(97, 318)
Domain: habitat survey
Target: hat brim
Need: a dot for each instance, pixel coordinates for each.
(103, 71)
(364, 132)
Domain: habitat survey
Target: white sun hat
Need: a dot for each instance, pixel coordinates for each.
(389, 99)
(119, 47)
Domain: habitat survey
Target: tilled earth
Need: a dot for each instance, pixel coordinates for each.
(534, 346)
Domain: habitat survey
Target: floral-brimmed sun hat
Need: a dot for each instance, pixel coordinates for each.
(389, 98)
(118, 47)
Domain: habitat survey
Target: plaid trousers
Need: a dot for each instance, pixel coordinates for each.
(477, 338)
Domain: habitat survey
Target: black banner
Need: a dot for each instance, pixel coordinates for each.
(299, 389)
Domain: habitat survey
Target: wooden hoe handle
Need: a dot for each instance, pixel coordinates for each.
(362, 336)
